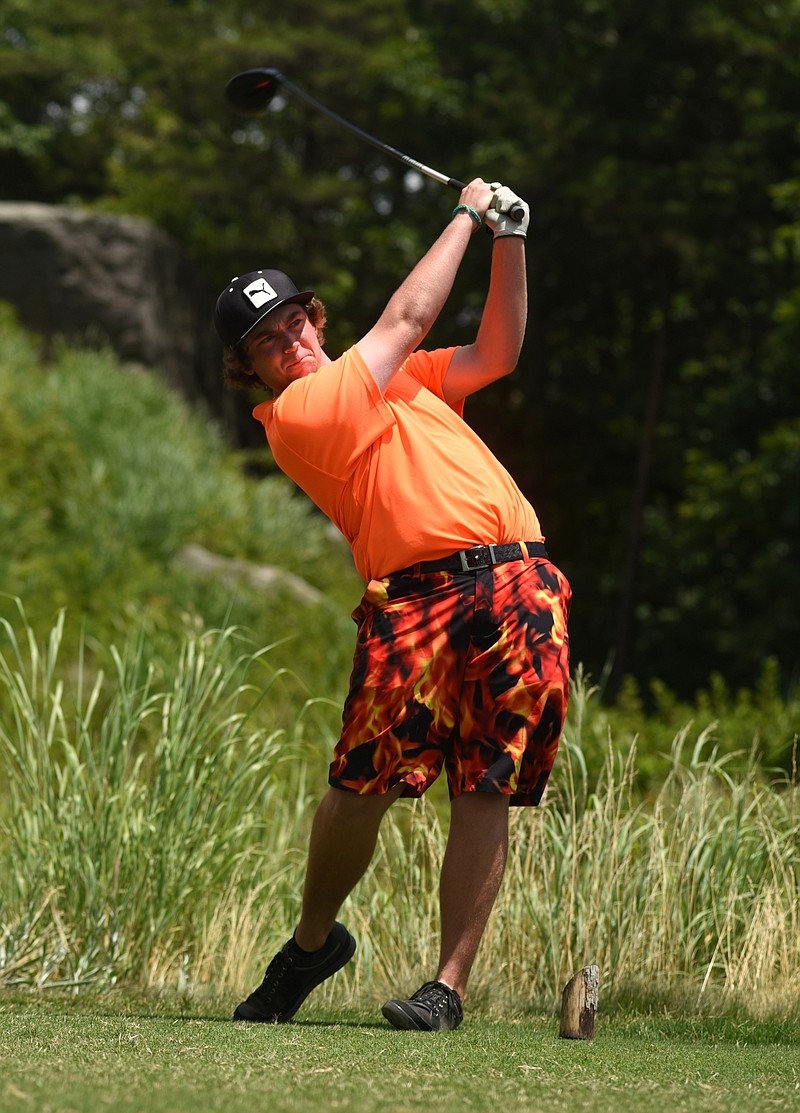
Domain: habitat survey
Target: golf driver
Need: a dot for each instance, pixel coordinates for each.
(252, 90)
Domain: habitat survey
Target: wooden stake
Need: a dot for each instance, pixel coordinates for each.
(579, 1005)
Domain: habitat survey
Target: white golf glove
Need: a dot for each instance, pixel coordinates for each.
(498, 216)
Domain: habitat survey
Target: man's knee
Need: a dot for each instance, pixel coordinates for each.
(481, 801)
(341, 804)
(480, 809)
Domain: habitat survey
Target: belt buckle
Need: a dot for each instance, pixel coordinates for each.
(481, 556)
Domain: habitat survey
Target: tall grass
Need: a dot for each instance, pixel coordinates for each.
(693, 896)
(154, 831)
(698, 889)
(135, 806)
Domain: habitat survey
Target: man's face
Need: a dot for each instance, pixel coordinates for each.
(284, 347)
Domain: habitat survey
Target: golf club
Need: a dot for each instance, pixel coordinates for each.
(252, 90)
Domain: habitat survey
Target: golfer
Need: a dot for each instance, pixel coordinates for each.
(461, 660)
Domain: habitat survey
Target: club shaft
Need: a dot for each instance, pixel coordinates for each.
(413, 163)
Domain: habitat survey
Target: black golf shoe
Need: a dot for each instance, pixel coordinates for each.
(292, 975)
(433, 1008)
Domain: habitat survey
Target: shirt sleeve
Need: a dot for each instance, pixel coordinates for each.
(430, 369)
(331, 418)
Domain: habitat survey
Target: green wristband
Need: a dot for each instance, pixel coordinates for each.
(467, 209)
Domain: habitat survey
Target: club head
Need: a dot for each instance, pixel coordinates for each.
(252, 90)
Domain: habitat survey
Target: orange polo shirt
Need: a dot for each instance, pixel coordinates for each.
(402, 476)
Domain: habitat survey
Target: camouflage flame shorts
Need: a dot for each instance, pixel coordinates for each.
(466, 671)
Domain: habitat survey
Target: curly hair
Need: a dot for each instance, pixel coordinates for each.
(236, 361)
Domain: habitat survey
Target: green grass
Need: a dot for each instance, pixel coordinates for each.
(114, 1052)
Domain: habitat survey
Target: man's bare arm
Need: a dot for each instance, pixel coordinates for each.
(417, 303)
(496, 348)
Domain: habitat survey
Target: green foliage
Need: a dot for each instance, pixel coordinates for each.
(745, 725)
(659, 151)
(658, 148)
(733, 601)
(107, 415)
(107, 475)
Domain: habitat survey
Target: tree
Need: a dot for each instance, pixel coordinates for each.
(657, 145)
(650, 140)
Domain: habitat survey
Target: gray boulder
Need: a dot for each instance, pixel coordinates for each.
(99, 278)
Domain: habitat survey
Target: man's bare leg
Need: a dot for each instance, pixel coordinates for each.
(473, 867)
(343, 838)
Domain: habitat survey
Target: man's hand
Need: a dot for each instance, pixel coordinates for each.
(498, 215)
(475, 199)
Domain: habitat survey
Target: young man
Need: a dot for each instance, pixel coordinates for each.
(461, 659)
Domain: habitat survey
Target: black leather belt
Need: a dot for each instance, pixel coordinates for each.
(481, 556)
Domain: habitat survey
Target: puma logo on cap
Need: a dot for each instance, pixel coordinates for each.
(259, 292)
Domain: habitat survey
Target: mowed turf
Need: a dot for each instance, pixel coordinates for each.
(131, 1054)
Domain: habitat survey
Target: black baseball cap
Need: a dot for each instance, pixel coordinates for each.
(246, 300)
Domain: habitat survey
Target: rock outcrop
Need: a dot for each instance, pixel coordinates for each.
(99, 278)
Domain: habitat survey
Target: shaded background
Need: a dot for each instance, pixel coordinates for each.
(654, 417)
